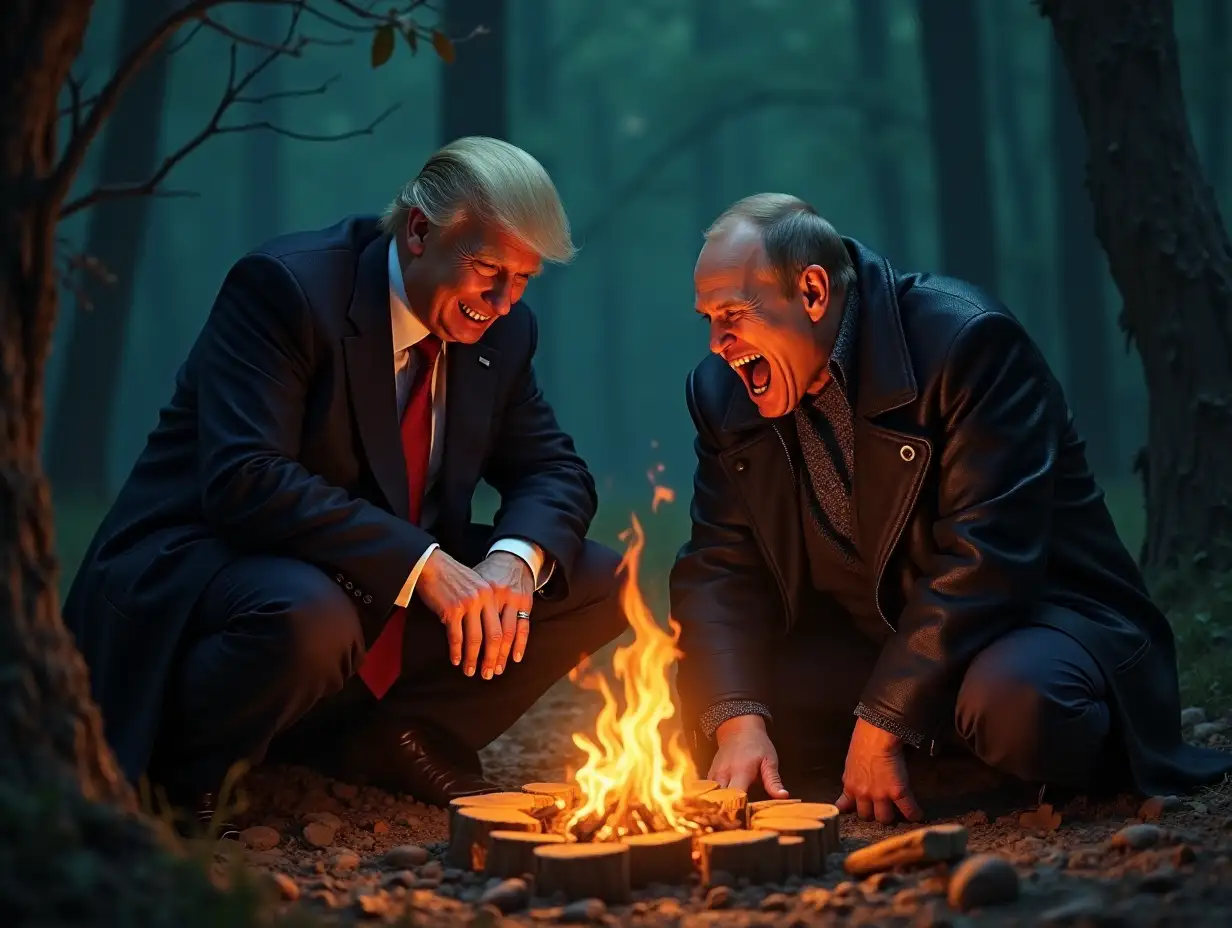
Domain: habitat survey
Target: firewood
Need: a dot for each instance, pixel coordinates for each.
(809, 829)
(659, 857)
(565, 795)
(763, 804)
(935, 844)
(731, 801)
(791, 855)
(512, 853)
(748, 853)
(468, 839)
(583, 871)
(521, 802)
(698, 787)
(824, 812)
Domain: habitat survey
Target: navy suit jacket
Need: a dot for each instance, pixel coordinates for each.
(282, 438)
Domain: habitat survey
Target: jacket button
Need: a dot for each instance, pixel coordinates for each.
(338, 578)
(349, 584)
(368, 599)
(358, 593)
(907, 453)
(741, 466)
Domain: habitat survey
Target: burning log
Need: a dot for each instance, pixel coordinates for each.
(583, 871)
(731, 801)
(824, 812)
(935, 844)
(564, 795)
(512, 853)
(659, 857)
(472, 826)
(748, 853)
(791, 855)
(809, 830)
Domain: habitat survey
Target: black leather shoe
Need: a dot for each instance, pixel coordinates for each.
(430, 767)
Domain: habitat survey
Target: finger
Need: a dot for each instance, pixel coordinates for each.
(845, 804)
(771, 780)
(509, 628)
(911, 809)
(453, 630)
(885, 811)
(519, 640)
(493, 635)
(742, 777)
(472, 630)
(864, 808)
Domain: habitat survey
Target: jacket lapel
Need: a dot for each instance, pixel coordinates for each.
(370, 375)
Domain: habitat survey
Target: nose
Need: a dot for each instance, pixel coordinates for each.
(720, 338)
(499, 298)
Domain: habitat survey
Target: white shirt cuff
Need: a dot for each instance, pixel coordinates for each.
(531, 554)
(408, 588)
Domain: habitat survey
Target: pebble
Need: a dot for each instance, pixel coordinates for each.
(1194, 715)
(1137, 837)
(375, 904)
(583, 912)
(1156, 806)
(404, 857)
(260, 837)
(507, 896)
(983, 880)
(318, 834)
(345, 860)
(324, 818)
(719, 897)
(1076, 911)
(776, 902)
(1204, 730)
(380, 828)
(346, 791)
(287, 887)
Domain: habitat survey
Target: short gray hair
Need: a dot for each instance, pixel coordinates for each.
(794, 236)
(493, 182)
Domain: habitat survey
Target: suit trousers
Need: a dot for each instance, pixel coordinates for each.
(1033, 704)
(276, 643)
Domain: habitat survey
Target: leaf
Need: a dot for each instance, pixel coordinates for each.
(382, 45)
(444, 47)
(412, 39)
(1041, 819)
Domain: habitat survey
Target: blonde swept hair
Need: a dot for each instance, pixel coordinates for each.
(494, 182)
(794, 236)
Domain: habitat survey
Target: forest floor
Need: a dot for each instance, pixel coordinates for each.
(373, 857)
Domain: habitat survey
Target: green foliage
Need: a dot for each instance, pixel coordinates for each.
(1199, 605)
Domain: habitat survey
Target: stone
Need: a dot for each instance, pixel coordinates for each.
(260, 837)
(1154, 808)
(1194, 715)
(507, 895)
(719, 897)
(776, 902)
(404, 856)
(380, 828)
(345, 860)
(1205, 730)
(319, 834)
(1083, 910)
(583, 912)
(981, 881)
(1137, 837)
(287, 887)
(375, 904)
(345, 791)
(324, 818)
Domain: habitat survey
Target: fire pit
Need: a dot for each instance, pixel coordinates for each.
(635, 812)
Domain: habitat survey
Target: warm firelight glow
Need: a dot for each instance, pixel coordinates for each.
(631, 780)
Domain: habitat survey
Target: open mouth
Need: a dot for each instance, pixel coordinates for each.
(471, 314)
(755, 370)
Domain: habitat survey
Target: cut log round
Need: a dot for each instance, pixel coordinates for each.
(731, 801)
(468, 839)
(659, 857)
(808, 829)
(935, 844)
(583, 871)
(824, 812)
(791, 856)
(566, 793)
(763, 804)
(512, 853)
(748, 853)
(521, 802)
(697, 787)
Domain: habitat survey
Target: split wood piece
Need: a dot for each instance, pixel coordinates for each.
(512, 853)
(583, 871)
(810, 830)
(522, 802)
(566, 795)
(659, 857)
(763, 804)
(698, 787)
(748, 853)
(468, 839)
(731, 801)
(935, 844)
(791, 855)
(825, 812)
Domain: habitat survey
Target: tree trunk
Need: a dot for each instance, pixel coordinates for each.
(954, 79)
(473, 88)
(1157, 219)
(1082, 315)
(83, 421)
(1215, 93)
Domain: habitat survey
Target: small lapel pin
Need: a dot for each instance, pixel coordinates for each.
(484, 361)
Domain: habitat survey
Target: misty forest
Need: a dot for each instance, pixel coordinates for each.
(1072, 158)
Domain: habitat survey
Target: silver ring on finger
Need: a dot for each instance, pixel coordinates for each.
(523, 615)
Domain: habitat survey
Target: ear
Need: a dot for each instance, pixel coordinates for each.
(815, 291)
(417, 229)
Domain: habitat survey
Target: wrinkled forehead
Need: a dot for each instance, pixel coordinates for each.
(494, 243)
(732, 266)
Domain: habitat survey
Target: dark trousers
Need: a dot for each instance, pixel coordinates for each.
(277, 643)
(1033, 704)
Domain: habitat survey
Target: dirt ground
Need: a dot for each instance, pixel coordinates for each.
(360, 855)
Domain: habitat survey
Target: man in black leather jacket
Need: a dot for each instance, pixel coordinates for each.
(893, 517)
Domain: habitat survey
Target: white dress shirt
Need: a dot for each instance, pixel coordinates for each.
(407, 331)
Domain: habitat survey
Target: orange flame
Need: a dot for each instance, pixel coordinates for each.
(630, 766)
(662, 494)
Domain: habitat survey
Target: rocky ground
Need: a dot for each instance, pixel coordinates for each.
(362, 855)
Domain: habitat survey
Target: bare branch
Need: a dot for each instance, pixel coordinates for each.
(240, 39)
(285, 94)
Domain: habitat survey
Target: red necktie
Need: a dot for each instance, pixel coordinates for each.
(383, 662)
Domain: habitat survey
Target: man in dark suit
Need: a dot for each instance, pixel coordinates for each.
(291, 566)
(893, 518)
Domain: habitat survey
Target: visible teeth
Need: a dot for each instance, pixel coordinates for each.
(740, 362)
(471, 314)
(758, 391)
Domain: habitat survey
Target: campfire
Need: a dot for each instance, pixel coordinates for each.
(635, 812)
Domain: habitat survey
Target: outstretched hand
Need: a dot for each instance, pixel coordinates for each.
(745, 755)
(875, 778)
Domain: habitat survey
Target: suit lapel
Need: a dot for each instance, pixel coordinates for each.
(471, 378)
(370, 375)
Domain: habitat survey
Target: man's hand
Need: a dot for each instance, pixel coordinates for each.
(746, 755)
(466, 604)
(513, 590)
(875, 778)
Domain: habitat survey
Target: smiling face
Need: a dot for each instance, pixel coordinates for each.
(777, 342)
(462, 278)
